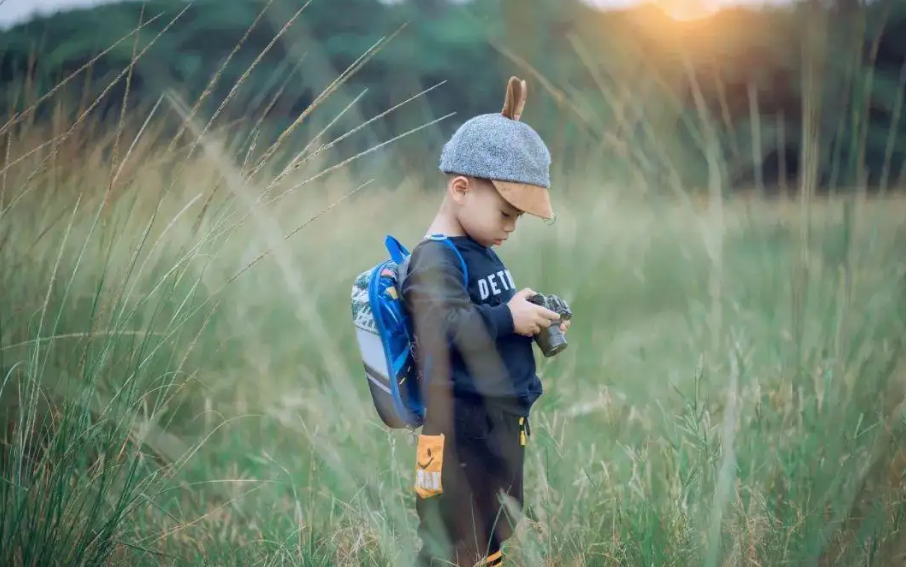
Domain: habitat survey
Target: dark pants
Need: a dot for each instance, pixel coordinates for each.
(468, 503)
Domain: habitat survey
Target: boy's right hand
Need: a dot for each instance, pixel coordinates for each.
(528, 318)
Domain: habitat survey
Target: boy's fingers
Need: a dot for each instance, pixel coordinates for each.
(526, 293)
(551, 315)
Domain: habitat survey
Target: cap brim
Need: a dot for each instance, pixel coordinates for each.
(531, 199)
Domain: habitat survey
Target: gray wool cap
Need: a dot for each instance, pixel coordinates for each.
(492, 146)
(509, 153)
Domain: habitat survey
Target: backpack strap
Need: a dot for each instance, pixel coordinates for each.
(462, 262)
(397, 251)
(400, 255)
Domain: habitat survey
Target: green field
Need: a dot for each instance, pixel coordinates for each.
(719, 403)
(180, 384)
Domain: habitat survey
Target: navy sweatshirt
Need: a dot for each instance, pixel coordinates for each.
(464, 334)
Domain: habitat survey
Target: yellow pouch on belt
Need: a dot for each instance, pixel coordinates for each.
(429, 464)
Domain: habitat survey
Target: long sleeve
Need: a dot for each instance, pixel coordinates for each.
(439, 302)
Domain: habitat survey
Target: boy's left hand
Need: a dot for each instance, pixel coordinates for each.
(565, 325)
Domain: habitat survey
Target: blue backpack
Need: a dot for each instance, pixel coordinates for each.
(385, 337)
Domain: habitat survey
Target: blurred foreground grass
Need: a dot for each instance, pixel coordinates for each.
(181, 386)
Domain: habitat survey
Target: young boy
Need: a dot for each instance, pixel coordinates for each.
(474, 341)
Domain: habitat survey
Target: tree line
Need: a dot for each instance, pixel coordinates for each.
(630, 87)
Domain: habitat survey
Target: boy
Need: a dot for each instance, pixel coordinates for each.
(474, 342)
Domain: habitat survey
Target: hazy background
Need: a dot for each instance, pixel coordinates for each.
(17, 11)
(746, 63)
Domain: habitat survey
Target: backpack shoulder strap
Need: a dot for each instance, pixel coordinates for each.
(462, 262)
(397, 251)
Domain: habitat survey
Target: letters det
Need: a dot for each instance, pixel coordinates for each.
(495, 284)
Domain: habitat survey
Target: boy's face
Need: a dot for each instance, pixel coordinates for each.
(482, 212)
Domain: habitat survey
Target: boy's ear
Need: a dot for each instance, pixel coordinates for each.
(458, 187)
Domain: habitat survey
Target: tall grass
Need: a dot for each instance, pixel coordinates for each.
(181, 385)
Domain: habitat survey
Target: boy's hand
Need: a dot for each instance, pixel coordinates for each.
(561, 306)
(528, 318)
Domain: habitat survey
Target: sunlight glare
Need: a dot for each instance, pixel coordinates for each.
(686, 10)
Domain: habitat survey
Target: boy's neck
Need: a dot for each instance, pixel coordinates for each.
(445, 223)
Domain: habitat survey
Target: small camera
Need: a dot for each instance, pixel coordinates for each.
(551, 340)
